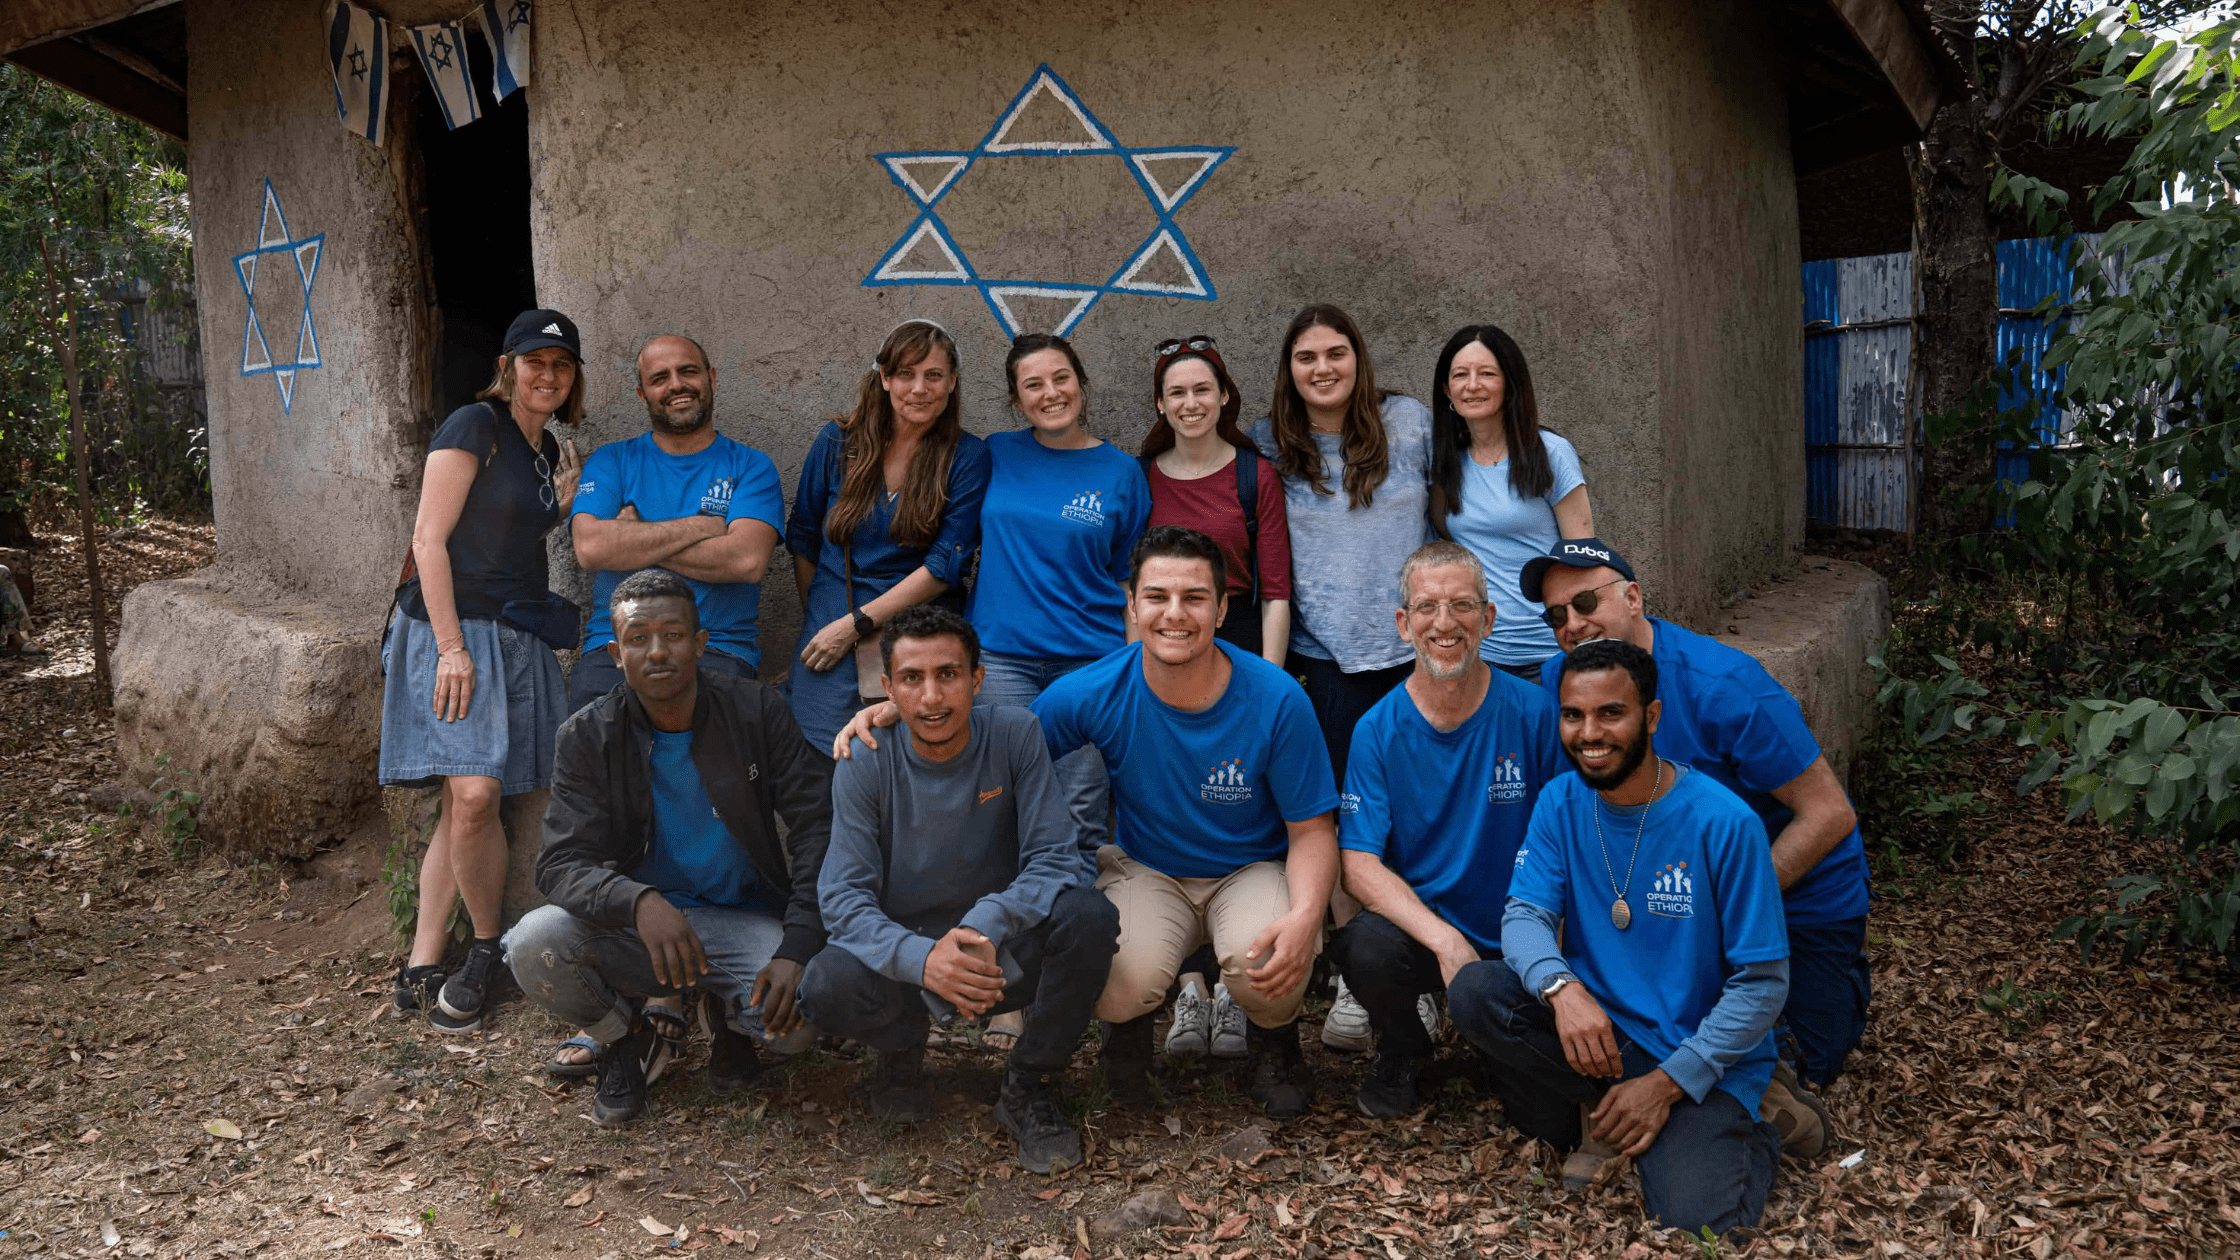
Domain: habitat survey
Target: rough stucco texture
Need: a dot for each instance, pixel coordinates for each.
(1813, 629)
(1611, 182)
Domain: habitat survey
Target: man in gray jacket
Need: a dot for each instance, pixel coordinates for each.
(662, 864)
(953, 886)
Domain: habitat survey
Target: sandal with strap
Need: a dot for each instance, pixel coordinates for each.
(567, 1070)
(670, 1029)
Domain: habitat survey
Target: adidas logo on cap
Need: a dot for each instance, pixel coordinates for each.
(554, 330)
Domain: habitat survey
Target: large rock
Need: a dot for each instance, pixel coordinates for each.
(274, 704)
(1813, 631)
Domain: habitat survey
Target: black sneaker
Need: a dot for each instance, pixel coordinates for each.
(1388, 1089)
(622, 1080)
(1126, 1057)
(1029, 1108)
(459, 1004)
(1275, 1062)
(414, 985)
(733, 1062)
(896, 1087)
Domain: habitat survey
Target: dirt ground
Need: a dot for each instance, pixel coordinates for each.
(196, 1060)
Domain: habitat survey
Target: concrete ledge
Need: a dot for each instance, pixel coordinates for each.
(273, 703)
(1813, 632)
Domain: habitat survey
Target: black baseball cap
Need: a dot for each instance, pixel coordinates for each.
(538, 330)
(1577, 553)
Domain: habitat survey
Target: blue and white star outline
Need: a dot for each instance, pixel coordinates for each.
(303, 253)
(928, 175)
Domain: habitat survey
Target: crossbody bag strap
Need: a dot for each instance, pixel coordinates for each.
(1248, 498)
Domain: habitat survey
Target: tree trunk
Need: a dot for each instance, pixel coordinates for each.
(60, 288)
(1956, 274)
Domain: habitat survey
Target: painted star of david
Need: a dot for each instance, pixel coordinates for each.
(294, 275)
(1169, 177)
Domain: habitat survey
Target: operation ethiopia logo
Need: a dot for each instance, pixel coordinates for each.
(1225, 783)
(1508, 779)
(1087, 507)
(1672, 894)
(718, 496)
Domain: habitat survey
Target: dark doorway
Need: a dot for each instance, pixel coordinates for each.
(477, 199)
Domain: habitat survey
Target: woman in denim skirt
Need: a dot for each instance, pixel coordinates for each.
(474, 696)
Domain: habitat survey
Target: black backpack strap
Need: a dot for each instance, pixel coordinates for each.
(1248, 498)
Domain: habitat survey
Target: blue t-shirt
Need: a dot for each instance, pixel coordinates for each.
(1447, 810)
(1705, 903)
(694, 860)
(1726, 716)
(1056, 529)
(1198, 795)
(1504, 530)
(728, 479)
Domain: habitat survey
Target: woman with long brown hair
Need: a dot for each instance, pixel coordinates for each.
(886, 516)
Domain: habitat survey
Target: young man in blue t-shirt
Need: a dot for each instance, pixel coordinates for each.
(1440, 784)
(1726, 716)
(1224, 799)
(681, 497)
(1649, 1031)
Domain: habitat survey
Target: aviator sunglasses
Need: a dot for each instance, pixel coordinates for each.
(1585, 602)
(1173, 346)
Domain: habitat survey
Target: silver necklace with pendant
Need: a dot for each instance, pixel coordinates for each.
(1621, 914)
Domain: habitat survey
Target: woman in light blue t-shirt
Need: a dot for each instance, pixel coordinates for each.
(1500, 485)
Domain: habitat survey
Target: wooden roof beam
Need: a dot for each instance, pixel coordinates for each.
(1889, 35)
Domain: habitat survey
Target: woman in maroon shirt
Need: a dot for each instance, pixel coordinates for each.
(1191, 459)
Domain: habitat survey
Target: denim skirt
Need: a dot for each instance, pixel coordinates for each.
(513, 718)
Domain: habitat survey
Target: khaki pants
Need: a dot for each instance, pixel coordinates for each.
(1162, 919)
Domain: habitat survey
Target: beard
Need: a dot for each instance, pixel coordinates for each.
(1438, 673)
(691, 422)
(1629, 760)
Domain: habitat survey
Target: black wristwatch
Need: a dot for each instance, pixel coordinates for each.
(864, 624)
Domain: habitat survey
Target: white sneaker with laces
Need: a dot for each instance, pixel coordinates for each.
(1228, 1040)
(1193, 1022)
(1346, 1027)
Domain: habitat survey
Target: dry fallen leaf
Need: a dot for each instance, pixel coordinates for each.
(578, 1199)
(654, 1227)
(222, 1128)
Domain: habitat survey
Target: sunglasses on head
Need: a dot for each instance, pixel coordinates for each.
(1173, 346)
(1584, 603)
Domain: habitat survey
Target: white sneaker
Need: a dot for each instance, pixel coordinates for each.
(1427, 1010)
(1193, 1022)
(1346, 1027)
(1228, 1040)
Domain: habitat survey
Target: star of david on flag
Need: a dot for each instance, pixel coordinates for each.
(509, 45)
(289, 266)
(1162, 264)
(358, 57)
(443, 54)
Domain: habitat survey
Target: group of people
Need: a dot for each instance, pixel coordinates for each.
(1072, 732)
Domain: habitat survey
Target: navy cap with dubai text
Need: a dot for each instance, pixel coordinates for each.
(1577, 553)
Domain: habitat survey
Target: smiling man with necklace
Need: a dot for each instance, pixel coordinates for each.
(1648, 1033)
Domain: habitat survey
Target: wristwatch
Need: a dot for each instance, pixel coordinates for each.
(1555, 985)
(864, 624)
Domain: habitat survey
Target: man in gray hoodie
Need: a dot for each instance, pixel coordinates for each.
(952, 885)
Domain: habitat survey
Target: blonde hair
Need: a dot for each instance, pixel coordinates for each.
(500, 389)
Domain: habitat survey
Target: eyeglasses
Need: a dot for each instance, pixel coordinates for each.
(1173, 346)
(1585, 602)
(1463, 609)
(544, 470)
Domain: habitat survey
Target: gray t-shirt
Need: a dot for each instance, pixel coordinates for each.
(1345, 562)
(918, 847)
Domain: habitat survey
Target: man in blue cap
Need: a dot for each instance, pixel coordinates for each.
(1726, 716)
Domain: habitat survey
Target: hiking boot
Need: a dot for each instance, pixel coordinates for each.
(622, 1080)
(415, 987)
(1126, 1057)
(1193, 1023)
(1346, 1027)
(1580, 1166)
(1275, 1064)
(1029, 1108)
(896, 1087)
(460, 1003)
(733, 1063)
(1228, 1040)
(1388, 1089)
(1798, 1116)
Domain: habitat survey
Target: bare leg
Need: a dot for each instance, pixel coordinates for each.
(438, 890)
(478, 849)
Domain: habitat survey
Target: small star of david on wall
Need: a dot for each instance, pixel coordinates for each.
(292, 263)
(1169, 177)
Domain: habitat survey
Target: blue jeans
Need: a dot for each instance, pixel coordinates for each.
(595, 978)
(1712, 1164)
(596, 674)
(1828, 990)
(1080, 773)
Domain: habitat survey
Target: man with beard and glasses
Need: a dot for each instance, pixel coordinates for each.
(1440, 784)
(681, 497)
(1726, 716)
(1649, 1031)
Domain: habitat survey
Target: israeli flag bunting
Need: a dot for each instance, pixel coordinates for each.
(509, 44)
(358, 52)
(443, 54)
